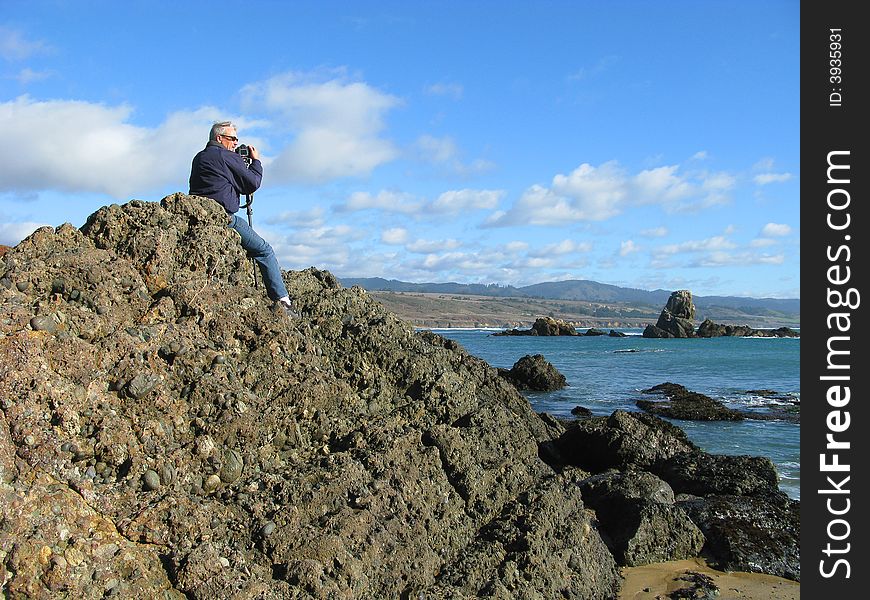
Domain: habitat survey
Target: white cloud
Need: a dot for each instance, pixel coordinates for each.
(437, 150)
(628, 247)
(766, 173)
(775, 230)
(394, 236)
(714, 188)
(592, 193)
(562, 248)
(444, 153)
(595, 193)
(722, 259)
(312, 217)
(715, 243)
(432, 246)
(108, 154)
(456, 201)
(533, 262)
(661, 186)
(655, 232)
(337, 125)
(453, 202)
(454, 261)
(328, 236)
(766, 178)
(14, 46)
(764, 164)
(27, 76)
(716, 251)
(326, 247)
(388, 201)
(516, 246)
(451, 90)
(586, 194)
(12, 233)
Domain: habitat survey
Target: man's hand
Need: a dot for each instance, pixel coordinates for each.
(252, 152)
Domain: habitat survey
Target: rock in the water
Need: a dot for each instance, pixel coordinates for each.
(621, 441)
(546, 326)
(534, 372)
(676, 319)
(680, 403)
(708, 329)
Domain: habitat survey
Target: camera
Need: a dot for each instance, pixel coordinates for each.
(245, 153)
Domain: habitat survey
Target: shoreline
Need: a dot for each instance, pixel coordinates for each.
(442, 311)
(657, 581)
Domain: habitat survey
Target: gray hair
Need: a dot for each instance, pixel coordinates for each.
(219, 128)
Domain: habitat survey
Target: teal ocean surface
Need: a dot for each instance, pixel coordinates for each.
(608, 373)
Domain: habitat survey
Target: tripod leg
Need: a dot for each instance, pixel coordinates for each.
(249, 200)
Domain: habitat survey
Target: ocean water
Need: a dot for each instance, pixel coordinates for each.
(608, 373)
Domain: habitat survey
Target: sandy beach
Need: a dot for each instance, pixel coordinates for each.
(657, 581)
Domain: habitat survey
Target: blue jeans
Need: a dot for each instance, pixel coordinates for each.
(260, 250)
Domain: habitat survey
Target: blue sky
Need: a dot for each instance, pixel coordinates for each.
(641, 144)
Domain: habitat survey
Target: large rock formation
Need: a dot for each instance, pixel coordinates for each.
(747, 522)
(676, 319)
(536, 373)
(681, 403)
(708, 329)
(165, 433)
(544, 326)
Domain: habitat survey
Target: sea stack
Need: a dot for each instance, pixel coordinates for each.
(677, 318)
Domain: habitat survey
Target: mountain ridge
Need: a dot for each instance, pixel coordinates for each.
(574, 289)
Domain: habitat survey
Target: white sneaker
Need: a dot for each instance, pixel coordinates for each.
(287, 306)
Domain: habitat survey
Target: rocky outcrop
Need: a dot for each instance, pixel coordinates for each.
(750, 533)
(734, 501)
(534, 372)
(681, 403)
(543, 326)
(676, 319)
(622, 441)
(165, 433)
(638, 513)
(548, 326)
(708, 329)
(703, 474)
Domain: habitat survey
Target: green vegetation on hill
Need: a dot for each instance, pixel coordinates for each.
(461, 310)
(586, 303)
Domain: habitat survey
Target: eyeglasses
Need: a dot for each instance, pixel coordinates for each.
(232, 138)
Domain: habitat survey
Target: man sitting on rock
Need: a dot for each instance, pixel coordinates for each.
(219, 173)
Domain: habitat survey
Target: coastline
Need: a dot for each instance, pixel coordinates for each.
(452, 311)
(657, 581)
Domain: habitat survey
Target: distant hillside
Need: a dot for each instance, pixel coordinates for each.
(587, 291)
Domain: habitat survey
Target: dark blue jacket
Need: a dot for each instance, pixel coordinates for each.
(222, 175)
